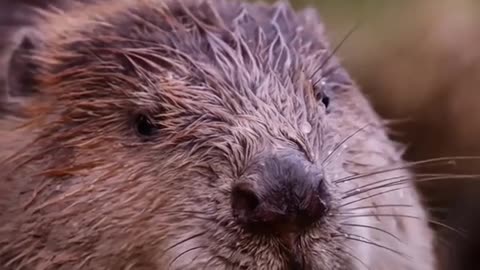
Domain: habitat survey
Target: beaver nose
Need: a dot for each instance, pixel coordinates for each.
(287, 195)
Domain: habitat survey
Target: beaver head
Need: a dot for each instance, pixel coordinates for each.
(197, 135)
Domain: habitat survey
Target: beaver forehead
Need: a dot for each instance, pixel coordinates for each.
(253, 51)
(201, 29)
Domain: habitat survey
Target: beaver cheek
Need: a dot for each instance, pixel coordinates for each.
(180, 251)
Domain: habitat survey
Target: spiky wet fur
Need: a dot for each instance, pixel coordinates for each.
(226, 83)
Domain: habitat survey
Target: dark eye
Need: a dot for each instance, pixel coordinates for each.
(325, 100)
(144, 126)
(320, 89)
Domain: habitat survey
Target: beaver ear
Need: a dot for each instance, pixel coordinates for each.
(311, 19)
(20, 67)
(18, 70)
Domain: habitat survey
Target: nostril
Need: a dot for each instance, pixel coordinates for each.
(244, 201)
(316, 209)
(321, 200)
(286, 196)
(314, 206)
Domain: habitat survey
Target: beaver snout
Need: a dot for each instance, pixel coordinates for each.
(287, 196)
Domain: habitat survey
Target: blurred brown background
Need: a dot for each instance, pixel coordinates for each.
(419, 63)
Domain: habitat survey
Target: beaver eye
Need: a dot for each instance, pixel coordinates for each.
(325, 100)
(144, 126)
(320, 95)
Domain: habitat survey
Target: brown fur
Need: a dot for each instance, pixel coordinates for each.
(225, 84)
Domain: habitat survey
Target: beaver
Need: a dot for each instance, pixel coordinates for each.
(196, 134)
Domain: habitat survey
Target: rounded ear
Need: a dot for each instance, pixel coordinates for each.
(20, 67)
(17, 69)
(311, 18)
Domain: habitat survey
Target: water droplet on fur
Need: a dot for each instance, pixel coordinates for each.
(306, 127)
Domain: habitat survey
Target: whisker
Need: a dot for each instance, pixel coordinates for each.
(378, 206)
(448, 176)
(415, 177)
(335, 50)
(183, 253)
(370, 242)
(184, 240)
(333, 151)
(370, 196)
(405, 216)
(359, 192)
(373, 228)
(374, 183)
(417, 164)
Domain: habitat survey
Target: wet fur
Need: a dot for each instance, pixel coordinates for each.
(227, 84)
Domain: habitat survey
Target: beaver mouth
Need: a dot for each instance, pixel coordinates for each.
(295, 256)
(297, 262)
(298, 259)
(293, 262)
